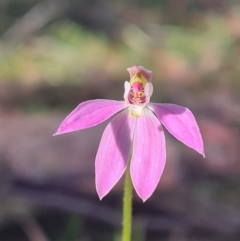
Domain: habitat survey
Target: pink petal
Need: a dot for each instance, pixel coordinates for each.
(145, 72)
(90, 113)
(113, 152)
(180, 122)
(149, 154)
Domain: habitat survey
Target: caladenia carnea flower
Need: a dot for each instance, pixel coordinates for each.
(136, 128)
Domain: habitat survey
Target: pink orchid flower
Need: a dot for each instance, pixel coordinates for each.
(137, 125)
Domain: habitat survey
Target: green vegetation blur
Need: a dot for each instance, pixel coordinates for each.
(169, 37)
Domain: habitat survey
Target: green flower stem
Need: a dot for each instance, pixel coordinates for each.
(127, 207)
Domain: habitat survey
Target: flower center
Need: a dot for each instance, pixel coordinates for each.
(136, 95)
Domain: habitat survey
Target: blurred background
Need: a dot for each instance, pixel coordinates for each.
(55, 54)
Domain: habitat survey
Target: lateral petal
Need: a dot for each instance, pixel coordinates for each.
(181, 123)
(89, 113)
(149, 154)
(113, 152)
